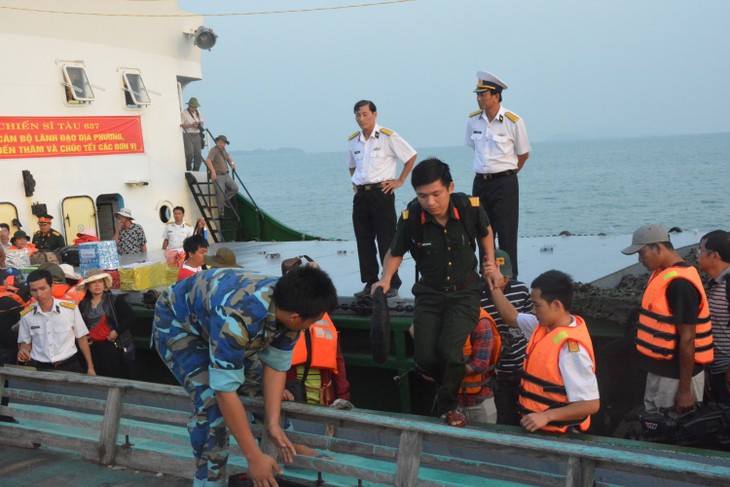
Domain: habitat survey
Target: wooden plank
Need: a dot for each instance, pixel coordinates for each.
(61, 420)
(87, 448)
(140, 432)
(158, 415)
(409, 453)
(55, 400)
(156, 462)
(109, 426)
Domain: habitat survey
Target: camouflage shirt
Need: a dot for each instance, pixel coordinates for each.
(233, 313)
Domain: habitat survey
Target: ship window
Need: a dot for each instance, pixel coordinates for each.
(165, 214)
(78, 88)
(135, 92)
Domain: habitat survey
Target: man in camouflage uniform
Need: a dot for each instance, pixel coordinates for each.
(222, 331)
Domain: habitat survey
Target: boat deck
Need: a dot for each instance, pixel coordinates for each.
(585, 257)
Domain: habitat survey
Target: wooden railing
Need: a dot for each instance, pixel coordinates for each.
(142, 426)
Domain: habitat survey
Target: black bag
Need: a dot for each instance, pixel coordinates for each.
(69, 255)
(297, 389)
(125, 343)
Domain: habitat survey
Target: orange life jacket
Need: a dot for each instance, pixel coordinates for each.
(324, 346)
(473, 383)
(64, 292)
(29, 247)
(656, 337)
(542, 385)
(4, 293)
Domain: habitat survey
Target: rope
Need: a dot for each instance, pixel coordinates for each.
(227, 14)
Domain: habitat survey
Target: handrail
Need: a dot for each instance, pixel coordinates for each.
(580, 457)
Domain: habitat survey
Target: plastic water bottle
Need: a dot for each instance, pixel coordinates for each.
(205, 233)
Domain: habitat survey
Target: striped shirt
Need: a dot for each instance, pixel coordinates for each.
(720, 316)
(514, 343)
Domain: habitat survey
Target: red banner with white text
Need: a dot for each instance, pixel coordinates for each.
(22, 137)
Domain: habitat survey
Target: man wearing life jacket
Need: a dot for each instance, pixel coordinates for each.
(714, 259)
(559, 390)
(318, 364)
(674, 335)
(442, 237)
(481, 350)
(10, 307)
(20, 241)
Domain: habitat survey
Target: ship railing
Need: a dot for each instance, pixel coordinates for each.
(141, 425)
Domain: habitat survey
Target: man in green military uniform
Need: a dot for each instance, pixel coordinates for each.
(441, 229)
(46, 238)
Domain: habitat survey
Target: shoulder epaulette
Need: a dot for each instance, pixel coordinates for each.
(55, 233)
(37, 232)
(353, 135)
(404, 214)
(27, 310)
(573, 346)
(67, 304)
(385, 131)
(512, 116)
(474, 200)
(475, 113)
(187, 224)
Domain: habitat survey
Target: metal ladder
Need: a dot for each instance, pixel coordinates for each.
(205, 198)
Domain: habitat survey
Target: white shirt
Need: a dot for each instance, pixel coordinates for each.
(188, 117)
(176, 234)
(374, 159)
(497, 143)
(7, 246)
(576, 368)
(52, 335)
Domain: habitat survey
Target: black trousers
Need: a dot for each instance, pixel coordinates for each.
(501, 199)
(71, 364)
(506, 396)
(373, 218)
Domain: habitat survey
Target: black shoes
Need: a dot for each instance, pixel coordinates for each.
(365, 292)
(392, 292)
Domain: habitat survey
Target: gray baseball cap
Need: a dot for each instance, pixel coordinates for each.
(648, 234)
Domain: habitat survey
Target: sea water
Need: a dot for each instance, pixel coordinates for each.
(585, 187)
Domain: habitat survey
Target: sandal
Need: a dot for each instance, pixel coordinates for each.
(455, 418)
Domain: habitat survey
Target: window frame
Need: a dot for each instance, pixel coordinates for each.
(136, 103)
(71, 86)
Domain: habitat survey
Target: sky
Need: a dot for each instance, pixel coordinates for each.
(575, 69)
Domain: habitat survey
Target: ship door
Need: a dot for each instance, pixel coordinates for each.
(78, 213)
(107, 205)
(9, 215)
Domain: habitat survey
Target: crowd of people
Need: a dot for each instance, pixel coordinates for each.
(497, 351)
(96, 323)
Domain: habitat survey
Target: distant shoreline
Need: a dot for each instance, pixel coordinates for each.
(557, 138)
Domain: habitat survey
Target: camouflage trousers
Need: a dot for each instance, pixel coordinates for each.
(187, 357)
